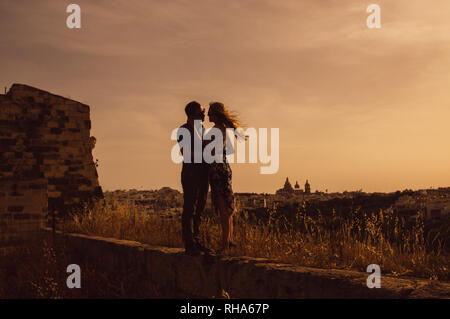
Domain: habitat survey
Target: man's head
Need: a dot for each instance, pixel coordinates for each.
(195, 111)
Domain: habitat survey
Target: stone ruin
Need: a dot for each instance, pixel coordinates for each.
(46, 164)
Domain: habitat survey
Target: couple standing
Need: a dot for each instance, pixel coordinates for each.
(196, 178)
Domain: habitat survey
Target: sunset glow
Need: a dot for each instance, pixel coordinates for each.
(357, 108)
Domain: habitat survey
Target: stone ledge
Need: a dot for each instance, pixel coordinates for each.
(242, 277)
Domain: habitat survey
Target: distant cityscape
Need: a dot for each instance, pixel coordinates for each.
(432, 203)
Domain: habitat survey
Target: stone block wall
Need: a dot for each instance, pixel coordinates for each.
(23, 209)
(44, 136)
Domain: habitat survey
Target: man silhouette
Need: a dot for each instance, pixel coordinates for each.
(194, 178)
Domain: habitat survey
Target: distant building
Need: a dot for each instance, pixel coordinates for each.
(297, 189)
(287, 186)
(260, 202)
(437, 208)
(287, 189)
(307, 188)
(405, 201)
(250, 201)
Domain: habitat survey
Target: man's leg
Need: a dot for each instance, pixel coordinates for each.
(201, 197)
(188, 208)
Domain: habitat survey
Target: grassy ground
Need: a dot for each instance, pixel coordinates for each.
(381, 238)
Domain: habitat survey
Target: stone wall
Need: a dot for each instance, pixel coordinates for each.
(170, 270)
(44, 136)
(23, 209)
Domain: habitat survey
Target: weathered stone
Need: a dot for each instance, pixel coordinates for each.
(43, 135)
(22, 216)
(23, 208)
(15, 209)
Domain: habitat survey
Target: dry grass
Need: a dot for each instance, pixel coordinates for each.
(326, 242)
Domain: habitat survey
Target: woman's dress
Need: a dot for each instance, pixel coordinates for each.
(220, 180)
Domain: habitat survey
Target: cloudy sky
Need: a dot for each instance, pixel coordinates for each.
(357, 108)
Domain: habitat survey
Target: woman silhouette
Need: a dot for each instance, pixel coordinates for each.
(220, 173)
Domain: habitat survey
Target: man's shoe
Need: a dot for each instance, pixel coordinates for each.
(193, 251)
(202, 248)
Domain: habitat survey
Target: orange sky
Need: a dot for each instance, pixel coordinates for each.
(356, 107)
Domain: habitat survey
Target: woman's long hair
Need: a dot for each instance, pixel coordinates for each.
(227, 118)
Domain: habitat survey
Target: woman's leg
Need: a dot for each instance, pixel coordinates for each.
(225, 221)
